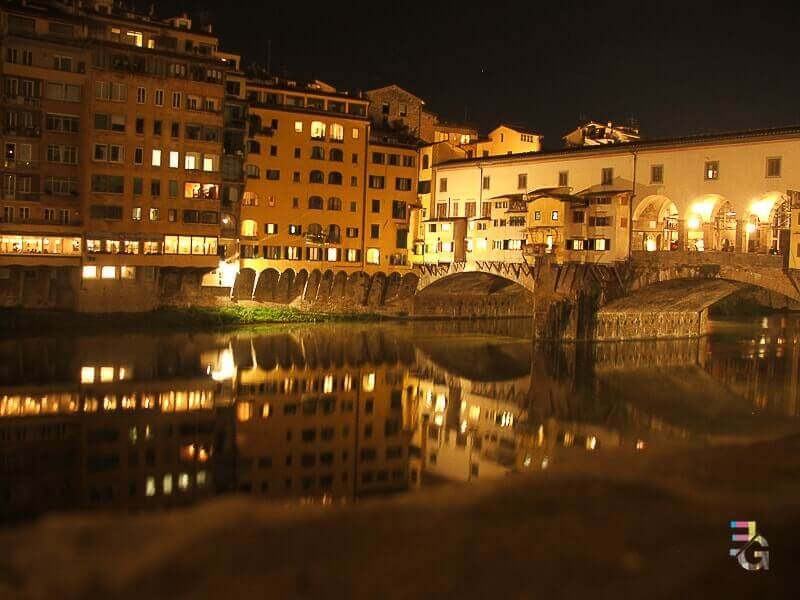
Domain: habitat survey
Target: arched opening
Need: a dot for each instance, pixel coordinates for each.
(315, 234)
(655, 225)
(473, 294)
(768, 224)
(724, 230)
(316, 177)
(711, 225)
(334, 203)
(335, 178)
(335, 154)
(334, 234)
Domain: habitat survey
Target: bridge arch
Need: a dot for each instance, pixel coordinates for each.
(519, 273)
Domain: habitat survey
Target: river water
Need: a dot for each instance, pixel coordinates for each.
(330, 413)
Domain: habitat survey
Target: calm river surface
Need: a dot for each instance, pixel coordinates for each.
(325, 413)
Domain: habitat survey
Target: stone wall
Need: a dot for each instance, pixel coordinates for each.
(644, 325)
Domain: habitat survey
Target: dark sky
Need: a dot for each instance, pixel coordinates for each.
(677, 68)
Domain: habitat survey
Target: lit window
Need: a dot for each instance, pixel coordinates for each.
(317, 129)
(265, 411)
(89, 272)
(373, 256)
(554, 215)
(244, 411)
(355, 133)
(87, 374)
(298, 126)
(368, 383)
(106, 374)
(156, 162)
(174, 159)
(150, 486)
(167, 484)
(183, 481)
(108, 272)
(127, 273)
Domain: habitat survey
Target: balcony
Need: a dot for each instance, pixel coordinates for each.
(28, 101)
(22, 131)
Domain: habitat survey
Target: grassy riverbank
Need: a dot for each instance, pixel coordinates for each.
(15, 321)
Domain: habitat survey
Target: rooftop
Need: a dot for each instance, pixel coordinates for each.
(630, 147)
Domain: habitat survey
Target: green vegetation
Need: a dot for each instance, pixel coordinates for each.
(14, 321)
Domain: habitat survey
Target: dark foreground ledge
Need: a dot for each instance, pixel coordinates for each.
(610, 526)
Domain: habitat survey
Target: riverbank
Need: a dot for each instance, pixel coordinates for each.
(16, 321)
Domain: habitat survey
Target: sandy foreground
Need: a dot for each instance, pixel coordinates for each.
(654, 525)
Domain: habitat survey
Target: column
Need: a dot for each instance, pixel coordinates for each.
(741, 237)
(682, 235)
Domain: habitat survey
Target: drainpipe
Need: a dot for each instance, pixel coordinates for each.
(630, 207)
(364, 182)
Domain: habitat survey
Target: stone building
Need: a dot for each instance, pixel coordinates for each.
(731, 192)
(113, 172)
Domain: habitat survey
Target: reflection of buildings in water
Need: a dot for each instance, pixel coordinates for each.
(138, 448)
(464, 429)
(335, 433)
(765, 368)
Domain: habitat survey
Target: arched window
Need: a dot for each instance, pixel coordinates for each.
(334, 234)
(316, 177)
(335, 178)
(334, 203)
(317, 152)
(252, 171)
(335, 154)
(249, 228)
(253, 147)
(315, 202)
(337, 132)
(314, 234)
(317, 130)
(425, 161)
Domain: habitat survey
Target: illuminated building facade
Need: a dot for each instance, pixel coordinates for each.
(114, 145)
(729, 192)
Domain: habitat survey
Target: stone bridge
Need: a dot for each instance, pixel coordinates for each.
(651, 295)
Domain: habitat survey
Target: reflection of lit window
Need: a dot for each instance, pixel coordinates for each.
(369, 382)
(201, 478)
(441, 402)
(327, 384)
(591, 443)
(150, 486)
(474, 412)
(133, 434)
(347, 384)
(148, 432)
(123, 374)
(183, 481)
(110, 403)
(265, 411)
(89, 272)
(244, 411)
(87, 375)
(167, 486)
(106, 374)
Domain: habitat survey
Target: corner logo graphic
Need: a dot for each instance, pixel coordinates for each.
(755, 545)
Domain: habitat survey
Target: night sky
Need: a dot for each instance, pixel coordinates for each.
(676, 68)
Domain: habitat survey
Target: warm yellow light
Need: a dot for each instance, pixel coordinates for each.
(87, 374)
(762, 207)
(693, 223)
(640, 444)
(591, 443)
(244, 411)
(89, 272)
(368, 382)
(750, 228)
(703, 209)
(650, 245)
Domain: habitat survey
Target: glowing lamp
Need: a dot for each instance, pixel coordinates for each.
(694, 223)
(750, 228)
